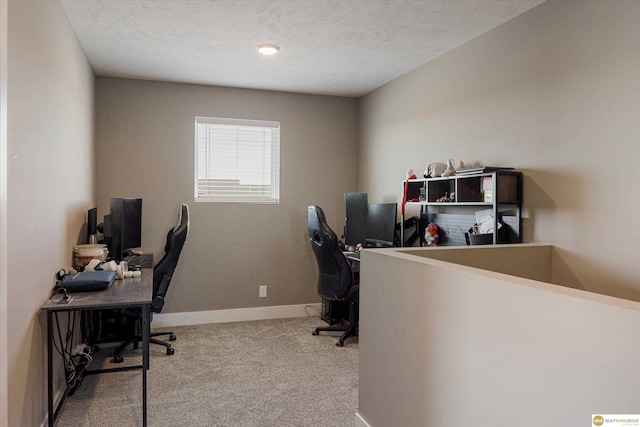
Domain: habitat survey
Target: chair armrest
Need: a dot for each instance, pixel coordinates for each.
(157, 304)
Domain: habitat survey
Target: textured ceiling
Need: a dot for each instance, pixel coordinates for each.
(333, 47)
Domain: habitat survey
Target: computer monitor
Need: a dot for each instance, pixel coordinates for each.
(92, 225)
(125, 224)
(381, 224)
(355, 228)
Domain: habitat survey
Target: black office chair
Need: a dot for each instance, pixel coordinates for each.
(336, 280)
(162, 274)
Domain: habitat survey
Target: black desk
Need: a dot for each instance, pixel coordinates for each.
(354, 261)
(352, 256)
(127, 293)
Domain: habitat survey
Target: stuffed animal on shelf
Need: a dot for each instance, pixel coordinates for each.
(431, 235)
(450, 171)
(434, 170)
(410, 174)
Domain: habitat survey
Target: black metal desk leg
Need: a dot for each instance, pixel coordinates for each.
(50, 367)
(146, 326)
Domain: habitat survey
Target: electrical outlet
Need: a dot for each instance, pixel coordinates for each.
(263, 292)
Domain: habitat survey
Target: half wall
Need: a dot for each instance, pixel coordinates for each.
(443, 343)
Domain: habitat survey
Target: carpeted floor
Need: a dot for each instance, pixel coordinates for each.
(244, 374)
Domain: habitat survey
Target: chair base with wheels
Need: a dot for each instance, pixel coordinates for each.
(348, 327)
(117, 353)
(344, 326)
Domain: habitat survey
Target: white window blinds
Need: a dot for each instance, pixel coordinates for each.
(237, 160)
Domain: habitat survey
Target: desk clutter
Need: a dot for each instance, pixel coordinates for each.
(96, 275)
(93, 258)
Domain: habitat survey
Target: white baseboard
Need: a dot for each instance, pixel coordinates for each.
(165, 320)
(360, 422)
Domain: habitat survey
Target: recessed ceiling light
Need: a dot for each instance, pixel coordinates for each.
(268, 49)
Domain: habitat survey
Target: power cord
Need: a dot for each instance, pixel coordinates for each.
(66, 298)
(314, 307)
(75, 359)
(65, 346)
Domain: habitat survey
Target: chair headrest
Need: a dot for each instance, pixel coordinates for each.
(183, 218)
(315, 218)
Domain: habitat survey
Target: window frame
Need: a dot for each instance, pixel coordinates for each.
(274, 166)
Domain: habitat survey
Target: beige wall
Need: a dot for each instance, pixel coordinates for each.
(145, 148)
(554, 93)
(453, 345)
(507, 259)
(4, 375)
(49, 180)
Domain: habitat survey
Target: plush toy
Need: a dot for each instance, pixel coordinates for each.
(410, 174)
(434, 170)
(431, 235)
(450, 171)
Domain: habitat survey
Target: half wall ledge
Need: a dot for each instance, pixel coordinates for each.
(471, 336)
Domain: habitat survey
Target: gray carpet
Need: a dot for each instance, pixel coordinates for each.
(261, 373)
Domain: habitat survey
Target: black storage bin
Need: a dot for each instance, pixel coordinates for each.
(487, 239)
(480, 239)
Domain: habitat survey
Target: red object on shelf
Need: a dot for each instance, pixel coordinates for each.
(406, 188)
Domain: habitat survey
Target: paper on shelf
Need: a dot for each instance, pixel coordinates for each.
(484, 221)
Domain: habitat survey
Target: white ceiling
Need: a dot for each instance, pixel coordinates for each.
(332, 47)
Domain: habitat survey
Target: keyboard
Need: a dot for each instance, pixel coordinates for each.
(139, 260)
(352, 255)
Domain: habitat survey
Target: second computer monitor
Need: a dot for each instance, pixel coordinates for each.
(126, 226)
(381, 224)
(355, 229)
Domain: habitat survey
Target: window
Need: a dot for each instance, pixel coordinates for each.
(237, 160)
